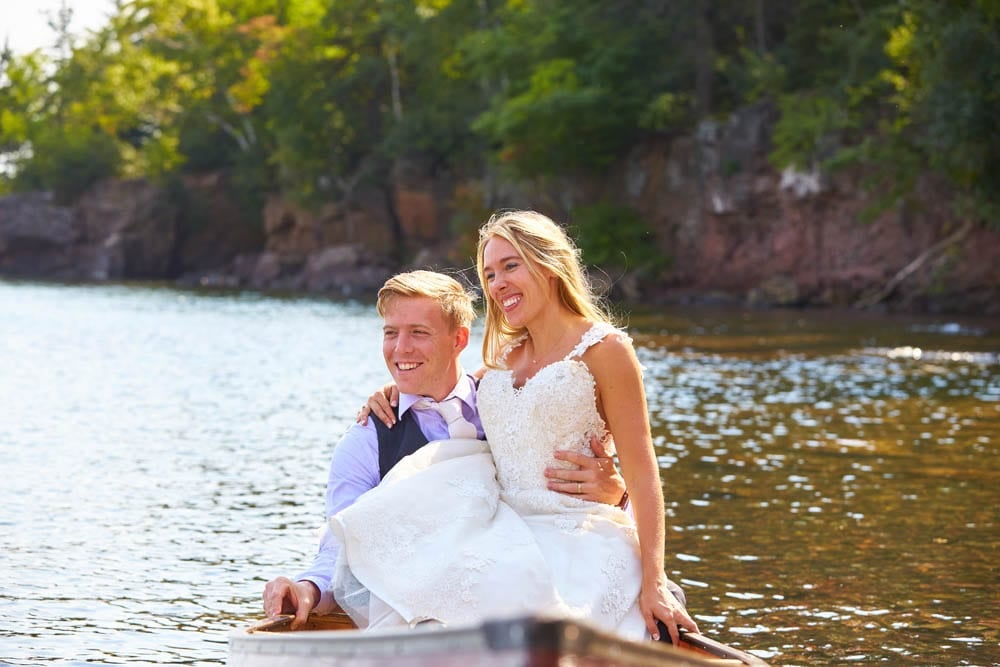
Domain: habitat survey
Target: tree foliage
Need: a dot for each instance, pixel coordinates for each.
(315, 97)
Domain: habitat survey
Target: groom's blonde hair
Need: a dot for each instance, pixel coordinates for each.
(454, 300)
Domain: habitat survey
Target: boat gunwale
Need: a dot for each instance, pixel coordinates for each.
(559, 636)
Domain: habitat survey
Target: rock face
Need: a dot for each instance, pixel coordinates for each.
(213, 227)
(119, 230)
(730, 222)
(734, 229)
(295, 230)
(341, 248)
(122, 230)
(37, 237)
(128, 230)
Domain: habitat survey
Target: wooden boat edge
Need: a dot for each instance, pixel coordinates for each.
(556, 636)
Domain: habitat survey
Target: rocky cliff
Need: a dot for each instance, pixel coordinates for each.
(732, 223)
(730, 226)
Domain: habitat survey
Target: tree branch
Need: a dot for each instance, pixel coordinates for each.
(877, 297)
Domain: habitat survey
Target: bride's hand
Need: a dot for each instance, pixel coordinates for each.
(381, 404)
(657, 603)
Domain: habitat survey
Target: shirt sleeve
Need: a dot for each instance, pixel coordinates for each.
(353, 471)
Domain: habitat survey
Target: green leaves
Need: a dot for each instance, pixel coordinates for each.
(556, 124)
(614, 236)
(900, 88)
(315, 97)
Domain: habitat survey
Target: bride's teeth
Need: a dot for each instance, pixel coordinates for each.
(509, 302)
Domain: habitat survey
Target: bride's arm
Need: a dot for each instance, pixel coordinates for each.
(623, 400)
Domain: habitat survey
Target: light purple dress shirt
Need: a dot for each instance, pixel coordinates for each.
(354, 470)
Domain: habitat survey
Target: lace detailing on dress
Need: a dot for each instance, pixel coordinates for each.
(594, 335)
(464, 586)
(555, 409)
(469, 489)
(511, 346)
(615, 602)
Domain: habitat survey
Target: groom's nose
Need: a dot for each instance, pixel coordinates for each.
(404, 341)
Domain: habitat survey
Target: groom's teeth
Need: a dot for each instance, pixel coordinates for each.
(406, 367)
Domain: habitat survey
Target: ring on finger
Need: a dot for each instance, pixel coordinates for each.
(579, 488)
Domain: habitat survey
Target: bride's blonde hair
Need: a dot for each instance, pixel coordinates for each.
(545, 247)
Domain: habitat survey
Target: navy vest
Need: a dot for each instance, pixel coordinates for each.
(394, 443)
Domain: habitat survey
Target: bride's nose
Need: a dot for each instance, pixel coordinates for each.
(497, 285)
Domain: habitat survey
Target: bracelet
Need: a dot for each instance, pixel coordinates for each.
(624, 501)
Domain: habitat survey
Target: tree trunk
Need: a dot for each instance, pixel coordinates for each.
(392, 57)
(760, 26)
(704, 57)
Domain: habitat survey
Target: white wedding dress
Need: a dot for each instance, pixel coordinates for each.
(441, 539)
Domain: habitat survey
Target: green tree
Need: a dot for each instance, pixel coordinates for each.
(945, 76)
(570, 80)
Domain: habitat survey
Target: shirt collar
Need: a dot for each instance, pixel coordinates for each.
(465, 390)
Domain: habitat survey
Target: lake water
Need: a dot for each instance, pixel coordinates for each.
(832, 479)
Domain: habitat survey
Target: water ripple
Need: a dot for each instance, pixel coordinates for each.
(831, 494)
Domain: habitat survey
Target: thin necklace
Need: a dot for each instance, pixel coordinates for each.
(534, 362)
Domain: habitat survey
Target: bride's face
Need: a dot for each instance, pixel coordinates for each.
(517, 292)
(421, 347)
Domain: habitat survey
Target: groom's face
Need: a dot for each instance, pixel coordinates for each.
(420, 346)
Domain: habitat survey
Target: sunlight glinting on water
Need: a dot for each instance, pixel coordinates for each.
(831, 487)
(783, 447)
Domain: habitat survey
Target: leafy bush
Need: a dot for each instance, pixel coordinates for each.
(68, 160)
(615, 236)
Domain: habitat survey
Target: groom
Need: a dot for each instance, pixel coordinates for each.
(426, 319)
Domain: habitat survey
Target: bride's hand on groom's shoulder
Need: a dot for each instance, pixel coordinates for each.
(381, 404)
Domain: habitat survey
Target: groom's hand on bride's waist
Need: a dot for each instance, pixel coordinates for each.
(593, 478)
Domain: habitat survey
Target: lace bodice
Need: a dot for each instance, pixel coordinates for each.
(555, 409)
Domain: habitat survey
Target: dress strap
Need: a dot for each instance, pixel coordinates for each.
(510, 347)
(595, 334)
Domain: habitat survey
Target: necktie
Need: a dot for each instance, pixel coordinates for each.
(451, 410)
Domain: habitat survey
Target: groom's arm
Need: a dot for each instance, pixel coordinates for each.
(353, 470)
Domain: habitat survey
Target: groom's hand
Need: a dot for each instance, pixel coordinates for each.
(595, 477)
(284, 596)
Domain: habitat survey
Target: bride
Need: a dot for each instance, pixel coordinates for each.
(456, 535)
